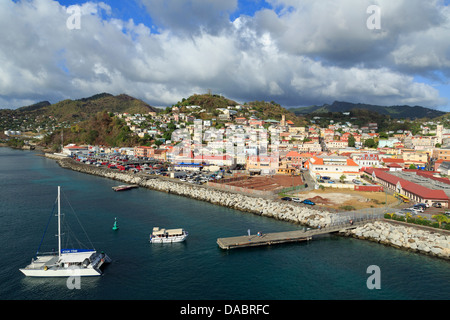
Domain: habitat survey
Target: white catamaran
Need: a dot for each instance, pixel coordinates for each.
(66, 262)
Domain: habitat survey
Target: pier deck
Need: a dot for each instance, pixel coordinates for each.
(280, 237)
(125, 187)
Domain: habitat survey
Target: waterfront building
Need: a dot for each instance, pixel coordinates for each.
(333, 167)
(144, 151)
(72, 149)
(418, 188)
(262, 164)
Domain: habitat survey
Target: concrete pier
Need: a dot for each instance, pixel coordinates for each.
(280, 237)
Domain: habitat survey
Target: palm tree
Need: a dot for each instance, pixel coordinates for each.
(408, 216)
(441, 218)
(390, 214)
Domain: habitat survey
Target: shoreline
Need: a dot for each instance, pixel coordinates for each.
(434, 243)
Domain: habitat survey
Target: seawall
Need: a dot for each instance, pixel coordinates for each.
(430, 242)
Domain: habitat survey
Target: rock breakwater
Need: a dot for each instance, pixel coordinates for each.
(429, 242)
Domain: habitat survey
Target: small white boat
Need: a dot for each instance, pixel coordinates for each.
(66, 262)
(168, 235)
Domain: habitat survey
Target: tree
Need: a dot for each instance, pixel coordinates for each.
(91, 136)
(342, 178)
(351, 141)
(383, 135)
(441, 218)
(370, 143)
(412, 166)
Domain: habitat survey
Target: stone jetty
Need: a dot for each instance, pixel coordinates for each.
(410, 238)
(422, 240)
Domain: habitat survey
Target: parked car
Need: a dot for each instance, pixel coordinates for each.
(417, 209)
(330, 181)
(286, 199)
(307, 201)
(326, 178)
(437, 205)
(421, 205)
(296, 200)
(404, 212)
(356, 181)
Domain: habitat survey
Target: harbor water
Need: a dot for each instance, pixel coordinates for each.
(329, 267)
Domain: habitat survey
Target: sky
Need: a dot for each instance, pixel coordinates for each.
(293, 52)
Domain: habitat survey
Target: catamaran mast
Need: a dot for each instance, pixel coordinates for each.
(59, 221)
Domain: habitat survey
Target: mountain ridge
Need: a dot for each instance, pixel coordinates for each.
(82, 109)
(395, 111)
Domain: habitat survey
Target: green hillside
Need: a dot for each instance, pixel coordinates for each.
(209, 102)
(260, 109)
(82, 109)
(274, 111)
(100, 129)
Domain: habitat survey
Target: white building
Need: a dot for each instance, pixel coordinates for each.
(333, 167)
(72, 149)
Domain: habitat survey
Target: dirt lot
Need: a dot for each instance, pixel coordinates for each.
(266, 183)
(336, 199)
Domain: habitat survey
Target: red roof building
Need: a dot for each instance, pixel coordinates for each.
(413, 191)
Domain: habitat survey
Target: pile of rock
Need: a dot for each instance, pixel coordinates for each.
(401, 236)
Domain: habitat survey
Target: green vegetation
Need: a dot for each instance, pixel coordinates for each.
(210, 102)
(102, 129)
(442, 221)
(46, 117)
(274, 111)
(15, 143)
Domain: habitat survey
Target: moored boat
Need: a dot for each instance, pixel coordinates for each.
(66, 262)
(168, 235)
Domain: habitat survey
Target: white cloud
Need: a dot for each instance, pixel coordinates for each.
(299, 53)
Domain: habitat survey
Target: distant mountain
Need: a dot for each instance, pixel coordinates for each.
(35, 106)
(69, 110)
(396, 112)
(81, 109)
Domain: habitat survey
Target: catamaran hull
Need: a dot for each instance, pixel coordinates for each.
(62, 273)
(44, 268)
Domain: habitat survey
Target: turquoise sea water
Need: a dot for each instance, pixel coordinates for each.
(326, 268)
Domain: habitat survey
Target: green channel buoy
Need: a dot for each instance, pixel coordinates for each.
(115, 227)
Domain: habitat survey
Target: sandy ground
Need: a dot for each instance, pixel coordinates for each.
(268, 182)
(339, 198)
